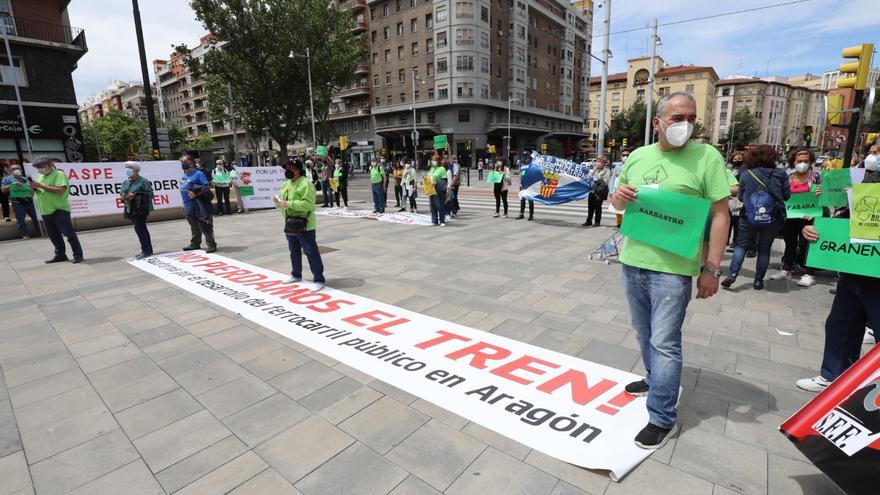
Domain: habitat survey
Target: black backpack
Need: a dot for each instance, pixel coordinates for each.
(600, 188)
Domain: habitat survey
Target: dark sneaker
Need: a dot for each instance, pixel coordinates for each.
(751, 253)
(653, 437)
(191, 248)
(758, 285)
(211, 249)
(638, 389)
(520, 217)
(77, 260)
(727, 282)
(141, 256)
(530, 219)
(57, 259)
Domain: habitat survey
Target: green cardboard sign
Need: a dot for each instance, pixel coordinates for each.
(321, 151)
(834, 186)
(440, 142)
(667, 220)
(20, 190)
(246, 190)
(803, 204)
(834, 251)
(865, 212)
(495, 177)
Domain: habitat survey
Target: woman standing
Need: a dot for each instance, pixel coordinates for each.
(18, 187)
(598, 178)
(137, 192)
(340, 173)
(764, 189)
(409, 187)
(398, 185)
(802, 178)
(222, 185)
(296, 201)
(501, 188)
(437, 175)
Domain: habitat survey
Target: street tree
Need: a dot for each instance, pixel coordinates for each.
(254, 41)
(629, 124)
(117, 134)
(745, 127)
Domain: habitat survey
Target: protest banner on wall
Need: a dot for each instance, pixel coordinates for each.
(836, 251)
(565, 407)
(264, 183)
(865, 212)
(803, 204)
(839, 430)
(95, 187)
(553, 181)
(668, 220)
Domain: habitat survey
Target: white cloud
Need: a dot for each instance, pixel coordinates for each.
(113, 50)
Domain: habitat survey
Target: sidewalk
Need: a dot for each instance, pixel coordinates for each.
(112, 381)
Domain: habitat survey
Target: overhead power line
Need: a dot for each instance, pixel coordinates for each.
(723, 14)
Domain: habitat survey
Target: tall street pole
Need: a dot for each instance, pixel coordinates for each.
(649, 101)
(604, 88)
(24, 126)
(853, 128)
(234, 128)
(415, 132)
(151, 116)
(311, 98)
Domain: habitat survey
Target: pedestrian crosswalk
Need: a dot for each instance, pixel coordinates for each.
(486, 204)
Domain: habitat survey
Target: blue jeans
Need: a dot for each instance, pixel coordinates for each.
(57, 224)
(855, 306)
(140, 228)
(752, 235)
(657, 305)
(305, 243)
(23, 209)
(378, 198)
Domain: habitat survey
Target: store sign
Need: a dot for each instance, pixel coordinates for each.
(45, 123)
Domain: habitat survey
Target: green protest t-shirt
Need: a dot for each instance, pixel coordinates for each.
(697, 170)
(377, 174)
(48, 203)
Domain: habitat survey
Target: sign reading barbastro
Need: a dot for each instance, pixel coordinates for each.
(565, 407)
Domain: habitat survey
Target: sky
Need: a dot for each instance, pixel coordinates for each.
(786, 40)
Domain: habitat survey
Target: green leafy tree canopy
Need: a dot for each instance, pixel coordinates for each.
(269, 87)
(745, 129)
(116, 134)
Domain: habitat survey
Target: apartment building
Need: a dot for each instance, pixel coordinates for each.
(128, 97)
(782, 109)
(45, 50)
(183, 99)
(453, 66)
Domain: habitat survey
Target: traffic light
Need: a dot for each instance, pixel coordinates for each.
(544, 148)
(808, 134)
(858, 68)
(467, 144)
(343, 143)
(612, 142)
(787, 145)
(624, 143)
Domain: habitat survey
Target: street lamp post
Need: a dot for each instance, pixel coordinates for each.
(508, 136)
(730, 138)
(415, 132)
(308, 58)
(148, 93)
(603, 89)
(655, 40)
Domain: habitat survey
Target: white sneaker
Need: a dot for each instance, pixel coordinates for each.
(293, 280)
(318, 286)
(442, 224)
(815, 384)
(869, 336)
(781, 275)
(496, 215)
(807, 281)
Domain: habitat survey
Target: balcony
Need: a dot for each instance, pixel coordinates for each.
(359, 27)
(44, 33)
(362, 68)
(354, 90)
(353, 4)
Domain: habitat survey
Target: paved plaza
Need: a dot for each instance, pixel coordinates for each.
(116, 382)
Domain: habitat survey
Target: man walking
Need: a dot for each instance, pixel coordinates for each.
(377, 185)
(50, 194)
(196, 194)
(658, 283)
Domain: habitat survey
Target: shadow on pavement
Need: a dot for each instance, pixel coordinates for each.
(816, 484)
(106, 259)
(345, 283)
(694, 408)
(230, 249)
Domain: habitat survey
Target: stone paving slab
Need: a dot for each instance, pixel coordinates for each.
(115, 382)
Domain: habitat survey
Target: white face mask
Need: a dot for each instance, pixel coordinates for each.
(801, 167)
(871, 163)
(433, 163)
(677, 134)
(16, 172)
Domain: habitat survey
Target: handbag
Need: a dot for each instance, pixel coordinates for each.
(140, 205)
(296, 225)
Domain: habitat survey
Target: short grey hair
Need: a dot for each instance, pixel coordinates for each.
(43, 160)
(133, 165)
(661, 105)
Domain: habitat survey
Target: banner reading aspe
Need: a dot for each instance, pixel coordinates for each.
(803, 204)
(668, 220)
(553, 181)
(95, 187)
(835, 250)
(839, 430)
(865, 212)
(565, 407)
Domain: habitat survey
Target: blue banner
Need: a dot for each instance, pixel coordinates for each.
(554, 181)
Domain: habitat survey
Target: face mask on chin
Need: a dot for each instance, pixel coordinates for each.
(677, 134)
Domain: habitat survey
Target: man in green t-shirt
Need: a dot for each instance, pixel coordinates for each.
(50, 194)
(658, 283)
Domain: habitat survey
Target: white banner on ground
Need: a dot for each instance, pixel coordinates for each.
(403, 217)
(565, 407)
(95, 187)
(266, 182)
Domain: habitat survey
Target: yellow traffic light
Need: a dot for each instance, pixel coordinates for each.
(544, 148)
(624, 142)
(858, 68)
(343, 143)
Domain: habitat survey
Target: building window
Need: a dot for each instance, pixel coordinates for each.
(401, 75)
(388, 99)
(375, 58)
(441, 65)
(413, 25)
(441, 39)
(375, 80)
(400, 52)
(689, 88)
(724, 105)
(400, 29)
(414, 49)
(640, 94)
(464, 8)
(373, 36)
(399, 5)
(377, 101)
(484, 13)
(386, 32)
(429, 21)
(723, 116)
(385, 9)
(615, 96)
(464, 62)
(464, 116)
(403, 97)
(387, 55)
(615, 110)
(663, 91)
(430, 97)
(725, 92)
(432, 117)
(416, 95)
(441, 14)
(464, 36)
(484, 40)
(443, 92)
(484, 91)
(484, 65)
(430, 69)
(465, 90)
(415, 72)
(429, 45)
